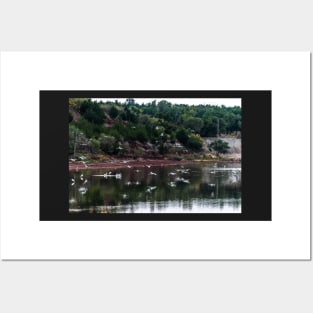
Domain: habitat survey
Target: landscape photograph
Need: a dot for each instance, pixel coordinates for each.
(162, 155)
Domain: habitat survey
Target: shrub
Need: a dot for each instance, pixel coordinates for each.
(182, 136)
(219, 146)
(113, 112)
(108, 144)
(194, 143)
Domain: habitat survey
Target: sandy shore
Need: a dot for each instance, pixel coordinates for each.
(115, 164)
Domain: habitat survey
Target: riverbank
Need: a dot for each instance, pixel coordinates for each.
(116, 164)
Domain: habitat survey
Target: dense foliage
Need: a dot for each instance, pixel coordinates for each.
(111, 126)
(219, 146)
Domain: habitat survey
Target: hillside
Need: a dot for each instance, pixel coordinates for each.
(152, 130)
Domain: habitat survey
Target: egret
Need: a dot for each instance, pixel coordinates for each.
(82, 190)
(151, 188)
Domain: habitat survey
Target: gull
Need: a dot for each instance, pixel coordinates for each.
(82, 190)
(182, 180)
(149, 189)
(72, 200)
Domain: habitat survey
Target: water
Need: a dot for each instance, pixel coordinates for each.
(206, 188)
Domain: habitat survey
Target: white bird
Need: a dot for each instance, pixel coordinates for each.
(81, 177)
(137, 171)
(82, 190)
(73, 182)
(128, 183)
(137, 183)
(85, 163)
(124, 196)
(182, 180)
(148, 166)
(151, 188)
(171, 173)
(152, 173)
(85, 182)
(129, 166)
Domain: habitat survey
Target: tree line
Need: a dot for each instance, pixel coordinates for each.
(110, 126)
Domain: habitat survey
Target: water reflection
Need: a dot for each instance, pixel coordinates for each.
(213, 188)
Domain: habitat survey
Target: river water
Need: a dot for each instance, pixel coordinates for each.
(196, 188)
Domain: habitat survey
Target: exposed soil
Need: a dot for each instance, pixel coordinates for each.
(115, 164)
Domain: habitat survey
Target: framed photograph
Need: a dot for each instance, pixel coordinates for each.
(155, 156)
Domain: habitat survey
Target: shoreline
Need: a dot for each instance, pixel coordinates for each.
(117, 164)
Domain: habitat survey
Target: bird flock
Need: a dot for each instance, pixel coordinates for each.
(176, 176)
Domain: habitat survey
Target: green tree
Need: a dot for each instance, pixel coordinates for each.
(194, 143)
(108, 144)
(182, 136)
(92, 112)
(219, 146)
(113, 112)
(194, 123)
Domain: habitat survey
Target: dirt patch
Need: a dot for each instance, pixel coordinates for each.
(115, 164)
